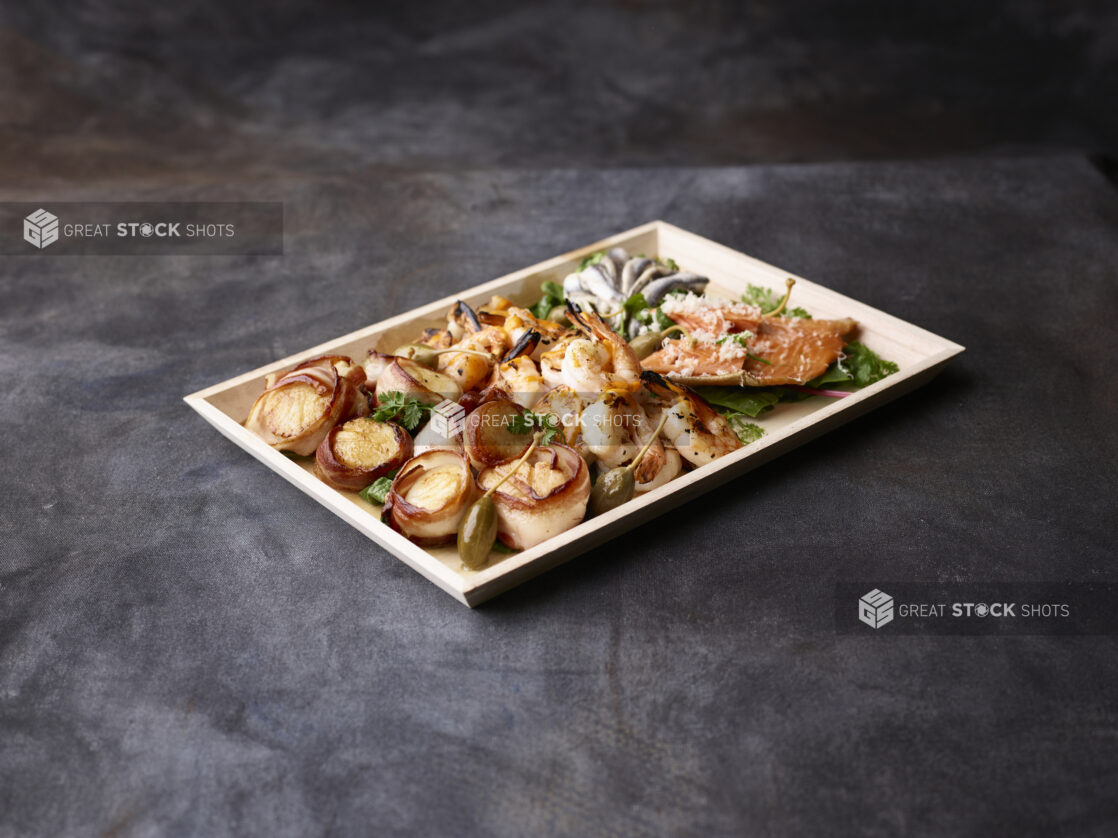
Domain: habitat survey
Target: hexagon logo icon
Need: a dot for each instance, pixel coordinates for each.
(875, 609)
(40, 229)
(448, 419)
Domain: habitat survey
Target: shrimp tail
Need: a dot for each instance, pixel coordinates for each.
(660, 386)
(526, 345)
(575, 313)
(591, 324)
(462, 309)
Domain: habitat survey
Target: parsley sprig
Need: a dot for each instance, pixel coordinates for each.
(528, 422)
(394, 406)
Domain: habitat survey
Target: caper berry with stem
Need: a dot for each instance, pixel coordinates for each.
(618, 485)
(788, 283)
(644, 345)
(478, 530)
(611, 490)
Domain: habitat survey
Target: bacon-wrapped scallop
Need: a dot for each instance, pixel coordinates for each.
(546, 495)
(299, 407)
(355, 454)
(430, 495)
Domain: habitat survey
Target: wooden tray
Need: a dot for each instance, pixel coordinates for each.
(920, 355)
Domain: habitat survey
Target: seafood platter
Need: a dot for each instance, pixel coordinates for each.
(489, 436)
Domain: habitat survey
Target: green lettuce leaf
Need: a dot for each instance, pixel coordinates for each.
(752, 401)
(552, 297)
(834, 374)
(377, 491)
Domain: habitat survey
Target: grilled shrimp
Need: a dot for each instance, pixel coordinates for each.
(615, 428)
(520, 320)
(521, 379)
(697, 430)
(551, 360)
(471, 370)
(600, 361)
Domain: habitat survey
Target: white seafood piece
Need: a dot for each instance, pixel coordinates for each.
(655, 290)
(597, 281)
(565, 406)
(606, 425)
(633, 269)
(672, 466)
(572, 286)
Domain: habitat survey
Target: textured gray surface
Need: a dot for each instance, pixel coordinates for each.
(116, 90)
(189, 646)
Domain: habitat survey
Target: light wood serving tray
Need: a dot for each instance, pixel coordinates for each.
(919, 353)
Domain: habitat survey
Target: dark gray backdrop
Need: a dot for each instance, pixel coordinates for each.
(189, 646)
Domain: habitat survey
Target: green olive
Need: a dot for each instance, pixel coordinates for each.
(419, 353)
(612, 489)
(645, 345)
(559, 315)
(477, 532)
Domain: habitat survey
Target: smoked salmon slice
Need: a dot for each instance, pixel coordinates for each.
(733, 343)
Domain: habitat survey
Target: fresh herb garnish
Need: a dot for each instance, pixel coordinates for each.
(670, 265)
(740, 339)
(858, 365)
(398, 407)
(552, 297)
(747, 431)
(662, 320)
(377, 491)
(500, 547)
(767, 300)
(636, 306)
(527, 422)
(864, 365)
